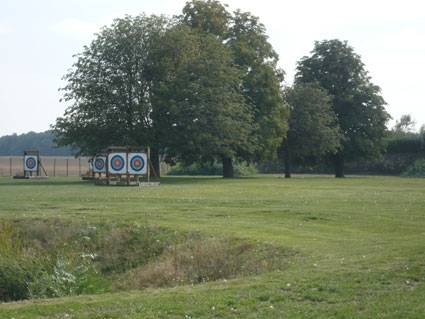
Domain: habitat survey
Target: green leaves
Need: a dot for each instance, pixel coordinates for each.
(356, 101)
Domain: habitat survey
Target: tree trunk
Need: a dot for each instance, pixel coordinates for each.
(339, 165)
(287, 162)
(227, 167)
(155, 162)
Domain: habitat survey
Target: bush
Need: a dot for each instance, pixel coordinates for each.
(68, 276)
(416, 170)
(14, 279)
(215, 169)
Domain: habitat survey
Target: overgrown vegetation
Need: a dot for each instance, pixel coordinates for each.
(54, 258)
(416, 170)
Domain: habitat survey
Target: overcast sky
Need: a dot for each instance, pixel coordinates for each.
(38, 39)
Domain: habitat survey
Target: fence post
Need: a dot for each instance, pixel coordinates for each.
(10, 166)
(66, 167)
(79, 166)
(54, 166)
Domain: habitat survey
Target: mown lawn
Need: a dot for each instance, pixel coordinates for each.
(360, 244)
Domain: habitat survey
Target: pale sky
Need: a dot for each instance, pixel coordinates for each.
(38, 39)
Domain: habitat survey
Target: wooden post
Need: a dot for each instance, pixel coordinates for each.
(67, 167)
(79, 166)
(126, 161)
(54, 166)
(10, 166)
(149, 164)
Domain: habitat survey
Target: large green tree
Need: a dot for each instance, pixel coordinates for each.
(108, 89)
(252, 53)
(356, 101)
(313, 130)
(198, 94)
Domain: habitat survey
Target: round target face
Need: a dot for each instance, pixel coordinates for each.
(99, 163)
(30, 163)
(117, 162)
(137, 163)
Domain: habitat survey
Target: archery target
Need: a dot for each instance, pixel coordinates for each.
(137, 163)
(99, 164)
(30, 163)
(117, 163)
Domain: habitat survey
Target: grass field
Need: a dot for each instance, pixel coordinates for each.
(360, 244)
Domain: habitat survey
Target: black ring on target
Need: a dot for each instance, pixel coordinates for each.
(137, 163)
(30, 163)
(99, 163)
(117, 162)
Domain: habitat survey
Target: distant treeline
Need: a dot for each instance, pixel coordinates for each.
(402, 150)
(14, 145)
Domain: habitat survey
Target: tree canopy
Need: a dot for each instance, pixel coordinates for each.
(356, 101)
(198, 95)
(202, 87)
(313, 129)
(109, 88)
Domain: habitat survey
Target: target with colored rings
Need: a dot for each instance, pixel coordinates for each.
(30, 163)
(99, 164)
(137, 163)
(117, 163)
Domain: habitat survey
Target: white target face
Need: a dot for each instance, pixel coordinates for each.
(30, 163)
(117, 163)
(99, 164)
(137, 163)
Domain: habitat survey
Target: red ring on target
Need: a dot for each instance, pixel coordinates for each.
(30, 163)
(137, 163)
(117, 162)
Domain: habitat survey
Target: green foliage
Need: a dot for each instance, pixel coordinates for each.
(68, 275)
(405, 125)
(208, 169)
(51, 258)
(200, 99)
(209, 16)
(356, 101)
(14, 145)
(108, 88)
(416, 170)
(405, 144)
(313, 129)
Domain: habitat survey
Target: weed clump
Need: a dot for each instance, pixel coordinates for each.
(201, 260)
(56, 258)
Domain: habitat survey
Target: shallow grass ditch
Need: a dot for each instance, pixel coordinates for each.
(45, 258)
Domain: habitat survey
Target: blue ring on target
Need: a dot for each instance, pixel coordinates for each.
(99, 163)
(137, 163)
(117, 162)
(30, 163)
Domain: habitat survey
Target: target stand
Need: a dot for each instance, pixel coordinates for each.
(32, 166)
(122, 166)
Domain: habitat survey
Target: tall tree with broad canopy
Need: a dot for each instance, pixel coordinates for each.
(356, 101)
(313, 132)
(109, 89)
(255, 57)
(198, 95)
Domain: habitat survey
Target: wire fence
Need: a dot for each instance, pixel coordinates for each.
(54, 165)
